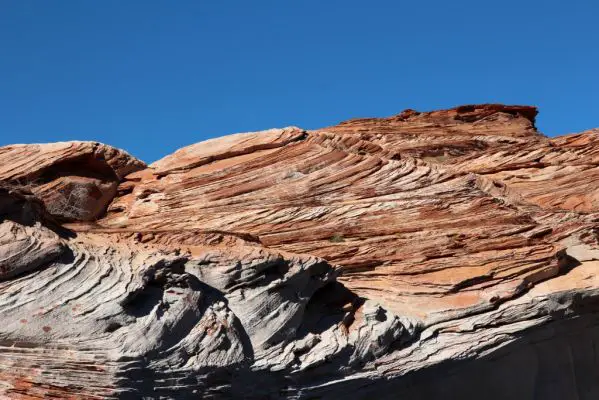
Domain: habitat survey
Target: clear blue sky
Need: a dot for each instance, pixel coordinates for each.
(152, 76)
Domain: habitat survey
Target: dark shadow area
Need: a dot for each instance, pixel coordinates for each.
(566, 263)
(21, 206)
(554, 361)
(86, 165)
(333, 304)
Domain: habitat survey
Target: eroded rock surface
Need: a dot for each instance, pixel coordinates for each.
(75, 180)
(446, 254)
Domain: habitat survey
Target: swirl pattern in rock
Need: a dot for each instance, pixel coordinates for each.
(361, 260)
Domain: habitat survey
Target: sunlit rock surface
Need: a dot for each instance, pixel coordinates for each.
(448, 254)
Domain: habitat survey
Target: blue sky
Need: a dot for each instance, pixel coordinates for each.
(152, 76)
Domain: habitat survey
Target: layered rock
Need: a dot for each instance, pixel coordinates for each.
(75, 180)
(367, 259)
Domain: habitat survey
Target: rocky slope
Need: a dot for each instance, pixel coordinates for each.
(447, 254)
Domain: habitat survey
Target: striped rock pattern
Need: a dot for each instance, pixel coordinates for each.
(424, 255)
(75, 180)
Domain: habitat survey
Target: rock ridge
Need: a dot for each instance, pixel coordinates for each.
(443, 254)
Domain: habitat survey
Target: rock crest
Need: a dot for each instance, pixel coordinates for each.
(397, 257)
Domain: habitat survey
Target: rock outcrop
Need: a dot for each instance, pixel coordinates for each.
(445, 254)
(75, 180)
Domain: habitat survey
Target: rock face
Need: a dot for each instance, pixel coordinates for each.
(75, 180)
(447, 254)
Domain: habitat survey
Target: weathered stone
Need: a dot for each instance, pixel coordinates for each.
(75, 180)
(446, 254)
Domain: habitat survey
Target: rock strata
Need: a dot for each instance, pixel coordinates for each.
(427, 255)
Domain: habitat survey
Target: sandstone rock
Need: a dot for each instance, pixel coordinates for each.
(25, 244)
(75, 180)
(446, 254)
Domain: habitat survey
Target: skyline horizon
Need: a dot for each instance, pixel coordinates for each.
(149, 162)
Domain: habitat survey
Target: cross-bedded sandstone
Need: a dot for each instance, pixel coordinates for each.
(358, 260)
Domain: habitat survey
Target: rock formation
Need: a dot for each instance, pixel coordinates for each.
(451, 254)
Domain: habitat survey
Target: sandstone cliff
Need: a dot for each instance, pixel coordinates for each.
(450, 254)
